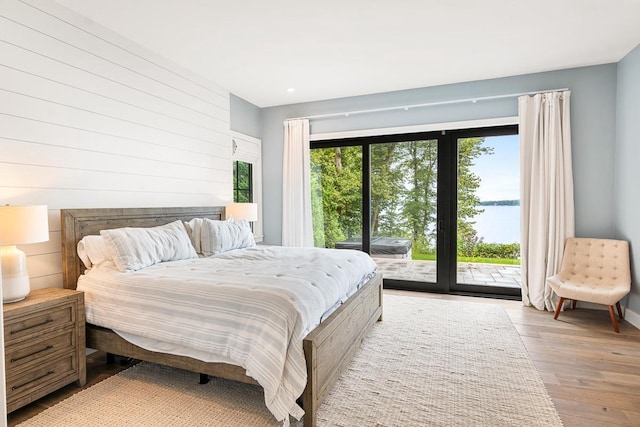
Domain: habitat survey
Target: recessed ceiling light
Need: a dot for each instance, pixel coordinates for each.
(291, 90)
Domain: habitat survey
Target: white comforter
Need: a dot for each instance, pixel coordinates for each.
(250, 307)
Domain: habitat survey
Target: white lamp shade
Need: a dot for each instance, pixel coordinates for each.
(19, 225)
(23, 224)
(240, 211)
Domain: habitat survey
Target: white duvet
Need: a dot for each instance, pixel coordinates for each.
(251, 307)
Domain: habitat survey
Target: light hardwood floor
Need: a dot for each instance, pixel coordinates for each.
(591, 373)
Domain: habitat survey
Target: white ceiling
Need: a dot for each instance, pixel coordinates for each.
(326, 49)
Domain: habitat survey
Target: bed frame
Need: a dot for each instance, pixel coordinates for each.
(328, 348)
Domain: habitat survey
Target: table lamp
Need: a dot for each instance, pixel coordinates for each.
(19, 225)
(240, 211)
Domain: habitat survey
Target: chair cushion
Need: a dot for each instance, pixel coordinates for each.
(585, 292)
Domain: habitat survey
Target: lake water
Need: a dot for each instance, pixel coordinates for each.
(499, 224)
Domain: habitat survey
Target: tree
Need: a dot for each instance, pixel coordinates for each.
(386, 189)
(336, 187)
(419, 161)
(469, 149)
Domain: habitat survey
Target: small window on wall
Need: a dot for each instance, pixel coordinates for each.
(242, 182)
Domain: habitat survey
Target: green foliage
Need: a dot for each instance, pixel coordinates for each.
(404, 179)
(336, 194)
(241, 181)
(386, 187)
(467, 239)
(497, 250)
(469, 149)
(419, 163)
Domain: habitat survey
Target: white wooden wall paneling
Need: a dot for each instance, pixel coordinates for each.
(54, 30)
(90, 119)
(27, 129)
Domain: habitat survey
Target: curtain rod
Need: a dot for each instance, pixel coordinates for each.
(428, 104)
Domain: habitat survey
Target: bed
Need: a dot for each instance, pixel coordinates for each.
(327, 349)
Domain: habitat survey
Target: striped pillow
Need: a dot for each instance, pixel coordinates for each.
(221, 236)
(136, 248)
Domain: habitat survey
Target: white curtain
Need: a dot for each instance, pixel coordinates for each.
(297, 229)
(546, 192)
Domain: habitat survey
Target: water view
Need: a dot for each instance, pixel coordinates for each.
(498, 224)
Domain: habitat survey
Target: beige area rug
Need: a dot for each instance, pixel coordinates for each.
(428, 363)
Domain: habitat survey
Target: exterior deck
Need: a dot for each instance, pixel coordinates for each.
(468, 273)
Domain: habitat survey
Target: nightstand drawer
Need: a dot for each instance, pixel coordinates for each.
(41, 348)
(44, 337)
(56, 318)
(41, 379)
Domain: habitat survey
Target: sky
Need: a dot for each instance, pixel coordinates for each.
(500, 171)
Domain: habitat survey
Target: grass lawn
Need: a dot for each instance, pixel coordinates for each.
(432, 257)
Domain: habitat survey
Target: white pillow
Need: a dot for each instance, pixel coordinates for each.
(93, 251)
(136, 248)
(221, 236)
(194, 230)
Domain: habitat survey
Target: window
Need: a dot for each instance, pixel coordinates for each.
(242, 182)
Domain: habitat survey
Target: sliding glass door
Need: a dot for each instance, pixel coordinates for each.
(488, 212)
(404, 189)
(414, 203)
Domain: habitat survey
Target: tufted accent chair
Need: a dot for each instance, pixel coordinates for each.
(593, 270)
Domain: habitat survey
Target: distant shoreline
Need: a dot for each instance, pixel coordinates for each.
(500, 203)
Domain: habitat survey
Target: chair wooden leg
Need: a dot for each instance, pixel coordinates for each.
(619, 310)
(558, 307)
(612, 315)
(573, 304)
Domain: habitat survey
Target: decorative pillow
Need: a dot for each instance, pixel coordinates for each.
(194, 230)
(93, 251)
(222, 236)
(136, 248)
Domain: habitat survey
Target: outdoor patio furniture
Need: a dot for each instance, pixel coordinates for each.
(383, 247)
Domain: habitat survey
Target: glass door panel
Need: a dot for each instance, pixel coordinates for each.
(488, 214)
(336, 197)
(404, 181)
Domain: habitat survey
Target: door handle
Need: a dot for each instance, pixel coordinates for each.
(440, 226)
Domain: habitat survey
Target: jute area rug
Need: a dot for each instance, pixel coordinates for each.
(428, 363)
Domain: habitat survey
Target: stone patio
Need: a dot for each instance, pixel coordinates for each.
(468, 273)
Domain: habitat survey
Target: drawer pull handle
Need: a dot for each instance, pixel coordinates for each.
(49, 347)
(16, 387)
(31, 327)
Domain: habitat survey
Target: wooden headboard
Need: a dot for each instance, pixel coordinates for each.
(77, 223)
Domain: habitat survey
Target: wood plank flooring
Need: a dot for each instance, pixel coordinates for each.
(591, 373)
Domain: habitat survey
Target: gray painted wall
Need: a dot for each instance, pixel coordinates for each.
(593, 105)
(627, 171)
(245, 117)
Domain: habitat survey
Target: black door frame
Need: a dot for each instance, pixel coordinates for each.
(446, 221)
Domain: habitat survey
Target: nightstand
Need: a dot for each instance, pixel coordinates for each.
(44, 344)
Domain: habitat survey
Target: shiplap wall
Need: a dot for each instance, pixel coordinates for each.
(90, 119)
